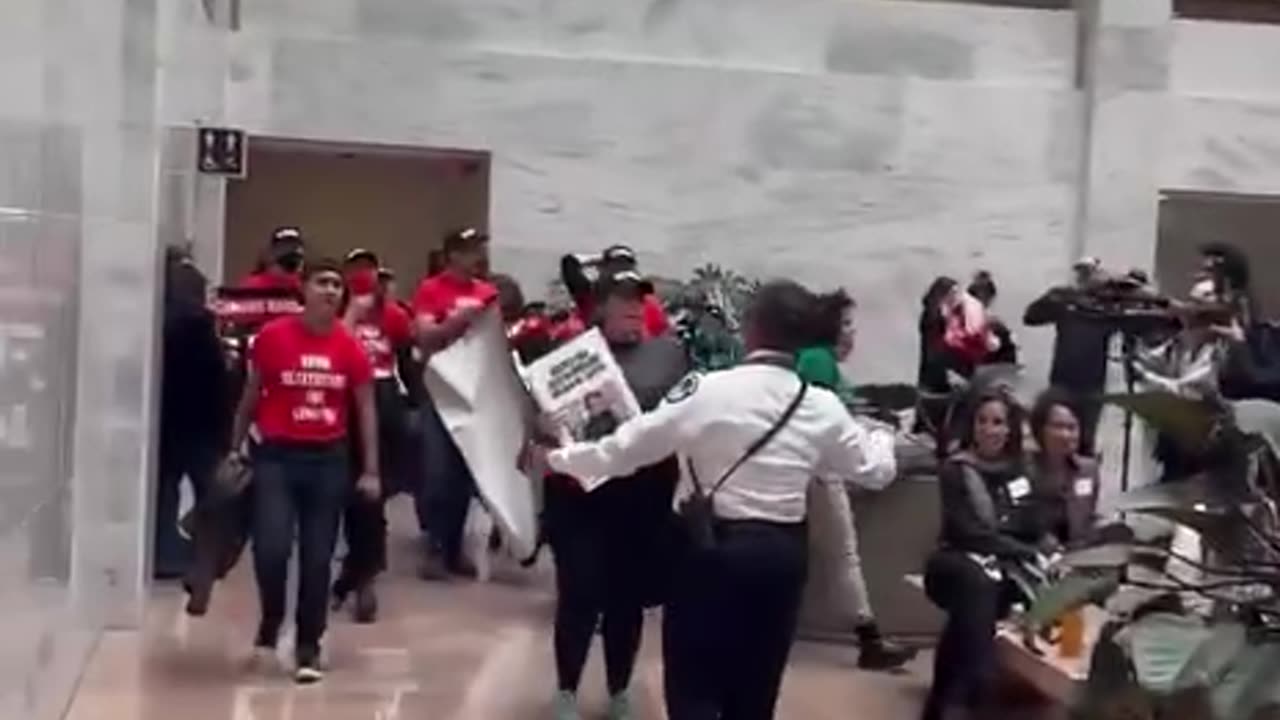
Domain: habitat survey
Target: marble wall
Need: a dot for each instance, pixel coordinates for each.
(868, 143)
(871, 143)
(78, 280)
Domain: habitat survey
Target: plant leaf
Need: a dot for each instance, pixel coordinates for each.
(1161, 645)
(1190, 423)
(1073, 591)
(1250, 683)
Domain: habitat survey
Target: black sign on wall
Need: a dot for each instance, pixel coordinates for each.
(222, 151)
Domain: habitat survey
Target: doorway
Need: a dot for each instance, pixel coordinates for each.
(1189, 220)
(397, 201)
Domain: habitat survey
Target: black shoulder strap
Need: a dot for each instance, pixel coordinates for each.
(759, 443)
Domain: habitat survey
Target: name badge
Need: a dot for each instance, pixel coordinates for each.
(1084, 487)
(1019, 488)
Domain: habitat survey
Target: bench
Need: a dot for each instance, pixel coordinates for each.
(1057, 678)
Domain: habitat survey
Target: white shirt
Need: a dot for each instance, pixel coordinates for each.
(728, 411)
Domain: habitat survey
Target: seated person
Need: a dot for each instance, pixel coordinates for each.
(1064, 484)
(983, 486)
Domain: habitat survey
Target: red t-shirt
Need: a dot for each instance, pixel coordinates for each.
(307, 380)
(656, 323)
(441, 294)
(270, 280)
(380, 335)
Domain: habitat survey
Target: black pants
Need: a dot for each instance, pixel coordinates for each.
(731, 620)
(1089, 406)
(597, 585)
(196, 460)
(964, 664)
(446, 496)
(296, 489)
(364, 522)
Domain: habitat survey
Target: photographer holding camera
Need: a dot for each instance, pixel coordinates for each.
(1080, 348)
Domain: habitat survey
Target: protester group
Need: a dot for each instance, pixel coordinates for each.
(296, 428)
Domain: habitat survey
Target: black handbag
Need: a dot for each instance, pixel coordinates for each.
(697, 511)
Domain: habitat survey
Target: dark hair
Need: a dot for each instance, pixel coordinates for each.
(940, 286)
(829, 314)
(782, 316)
(322, 265)
(462, 239)
(1231, 266)
(1012, 446)
(1044, 405)
(510, 296)
(983, 286)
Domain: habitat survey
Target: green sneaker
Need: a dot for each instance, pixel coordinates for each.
(566, 706)
(620, 706)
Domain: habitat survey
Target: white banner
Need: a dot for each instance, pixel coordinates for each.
(485, 406)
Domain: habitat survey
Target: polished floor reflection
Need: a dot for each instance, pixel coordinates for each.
(466, 651)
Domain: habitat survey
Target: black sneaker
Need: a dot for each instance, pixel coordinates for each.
(308, 670)
(198, 595)
(341, 589)
(885, 655)
(366, 607)
(433, 567)
(879, 654)
(463, 568)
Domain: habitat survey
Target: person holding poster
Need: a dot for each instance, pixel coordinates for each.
(305, 372)
(757, 436)
(607, 542)
(445, 306)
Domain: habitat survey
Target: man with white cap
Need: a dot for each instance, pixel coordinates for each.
(1080, 349)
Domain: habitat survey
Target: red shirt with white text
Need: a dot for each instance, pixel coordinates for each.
(440, 295)
(381, 334)
(270, 280)
(307, 380)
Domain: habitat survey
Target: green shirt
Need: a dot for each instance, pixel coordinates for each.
(819, 366)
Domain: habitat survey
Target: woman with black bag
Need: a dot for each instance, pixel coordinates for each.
(607, 543)
(754, 437)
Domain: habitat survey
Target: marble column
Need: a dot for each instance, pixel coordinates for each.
(1126, 72)
(102, 83)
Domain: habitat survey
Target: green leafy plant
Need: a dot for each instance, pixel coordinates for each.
(1186, 638)
(706, 311)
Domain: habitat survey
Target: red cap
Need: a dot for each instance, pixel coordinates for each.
(362, 282)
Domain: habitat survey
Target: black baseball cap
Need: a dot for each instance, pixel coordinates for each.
(288, 235)
(359, 254)
(627, 282)
(618, 253)
(464, 238)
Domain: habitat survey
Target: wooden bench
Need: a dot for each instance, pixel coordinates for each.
(1057, 678)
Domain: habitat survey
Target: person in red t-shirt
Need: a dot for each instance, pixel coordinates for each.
(283, 268)
(383, 330)
(445, 305)
(614, 259)
(305, 372)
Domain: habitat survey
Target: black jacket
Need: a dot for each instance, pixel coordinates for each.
(980, 513)
(1080, 348)
(194, 388)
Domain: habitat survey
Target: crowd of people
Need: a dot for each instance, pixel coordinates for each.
(704, 510)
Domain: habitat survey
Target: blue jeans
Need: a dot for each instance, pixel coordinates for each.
(300, 489)
(197, 462)
(445, 497)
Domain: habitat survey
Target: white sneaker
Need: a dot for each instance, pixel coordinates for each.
(263, 660)
(566, 706)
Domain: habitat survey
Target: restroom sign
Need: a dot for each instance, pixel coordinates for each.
(222, 151)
